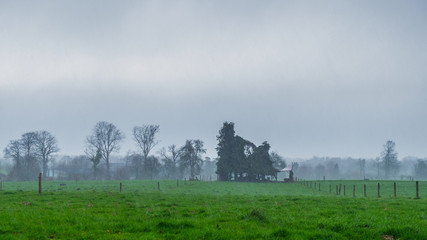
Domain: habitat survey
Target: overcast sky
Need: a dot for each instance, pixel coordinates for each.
(313, 78)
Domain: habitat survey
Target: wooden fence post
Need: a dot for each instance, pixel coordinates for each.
(379, 195)
(416, 188)
(344, 190)
(40, 184)
(158, 186)
(120, 187)
(394, 189)
(339, 192)
(354, 190)
(364, 190)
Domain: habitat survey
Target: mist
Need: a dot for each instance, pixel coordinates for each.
(312, 78)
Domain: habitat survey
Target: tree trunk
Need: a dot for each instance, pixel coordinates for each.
(107, 161)
(45, 169)
(94, 172)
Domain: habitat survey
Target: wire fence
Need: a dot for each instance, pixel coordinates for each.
(378, 189)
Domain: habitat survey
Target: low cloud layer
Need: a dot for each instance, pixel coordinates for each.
(313, 78)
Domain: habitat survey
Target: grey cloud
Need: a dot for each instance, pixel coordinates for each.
(312, 78)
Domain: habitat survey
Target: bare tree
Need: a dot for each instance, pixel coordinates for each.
(106, 137)
(389, 156)
(192, 156)
(14, 151)
(23, 153)
(94, 154)
(145, 137)
(31, 166)
(28, 142)
(171, 160)
(46, 145)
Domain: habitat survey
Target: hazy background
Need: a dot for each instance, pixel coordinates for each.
(325, 78)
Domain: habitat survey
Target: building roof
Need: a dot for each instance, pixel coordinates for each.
(286, 169)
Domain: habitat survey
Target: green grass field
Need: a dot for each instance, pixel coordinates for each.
(210, 210)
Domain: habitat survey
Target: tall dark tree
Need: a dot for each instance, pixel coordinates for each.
(225, 151)
(239, 159)
(145, 137)
(241, 151)
(106, 137)
(389, 159)
(261, 164)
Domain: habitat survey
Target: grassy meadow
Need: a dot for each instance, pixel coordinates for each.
(211, 210)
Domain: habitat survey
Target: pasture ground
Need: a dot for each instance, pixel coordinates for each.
(210, 210)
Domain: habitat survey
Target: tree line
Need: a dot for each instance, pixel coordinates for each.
(238, 159)
(33, 152)
(386, 166)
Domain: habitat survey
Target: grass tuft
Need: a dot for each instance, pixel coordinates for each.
(257, 215)
(281, 233)
(164, 226)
